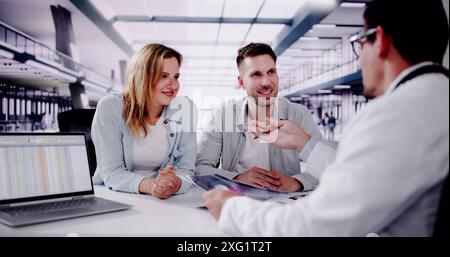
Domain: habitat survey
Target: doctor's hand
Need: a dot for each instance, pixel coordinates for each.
(288, 184)
(215, 199)
(281, 133)
(260, 178)
(166, 183)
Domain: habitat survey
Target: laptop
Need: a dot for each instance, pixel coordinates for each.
(45, 177)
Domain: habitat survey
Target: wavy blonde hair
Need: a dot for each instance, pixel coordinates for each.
(143, 73)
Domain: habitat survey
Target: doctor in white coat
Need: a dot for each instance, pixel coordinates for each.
(387, 174)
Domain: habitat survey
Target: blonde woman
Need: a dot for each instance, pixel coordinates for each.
(144, 138)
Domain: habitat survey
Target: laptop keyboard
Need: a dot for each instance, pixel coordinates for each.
(49, 207)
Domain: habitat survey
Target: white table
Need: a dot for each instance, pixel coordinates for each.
(149, 216)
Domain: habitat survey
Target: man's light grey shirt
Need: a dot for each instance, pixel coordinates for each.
(113, 142)
(223, 141)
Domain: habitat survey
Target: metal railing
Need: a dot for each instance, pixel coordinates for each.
(333, 63)
(22, 43)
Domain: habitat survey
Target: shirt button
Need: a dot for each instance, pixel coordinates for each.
(171, 134)
(165, 121)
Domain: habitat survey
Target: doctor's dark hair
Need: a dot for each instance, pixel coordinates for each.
(254, 49)
(419, 29)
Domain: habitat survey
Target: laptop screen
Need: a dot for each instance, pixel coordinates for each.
(39, 165)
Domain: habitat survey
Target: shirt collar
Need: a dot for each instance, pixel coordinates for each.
(279, 112)
(405, 73)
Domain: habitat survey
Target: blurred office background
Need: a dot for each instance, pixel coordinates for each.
(60, 55)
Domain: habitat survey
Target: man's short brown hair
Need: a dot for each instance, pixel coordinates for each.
(254, 49)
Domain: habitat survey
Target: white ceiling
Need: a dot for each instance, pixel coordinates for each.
(345, 16)
(332, 32)
(209, 49)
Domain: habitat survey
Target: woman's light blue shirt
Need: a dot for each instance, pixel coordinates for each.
(113, 142)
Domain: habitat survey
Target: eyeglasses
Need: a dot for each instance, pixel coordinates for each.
(357, 40)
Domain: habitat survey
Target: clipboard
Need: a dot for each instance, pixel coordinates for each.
(209, 182)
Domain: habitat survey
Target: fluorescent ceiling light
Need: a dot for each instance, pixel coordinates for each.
(324, 91)
(305, 96)
(353, 5)
(264, 32)
(201, 31)
(296, 98)
(241, 9)
(6, 54)
(323, 4)
(309, 38)
(232, 32)
(226, 51)
(324, 26)
(293, 51)
(342, 87)
(281, 8)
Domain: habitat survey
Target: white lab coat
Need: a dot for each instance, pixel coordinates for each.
(386, 178)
